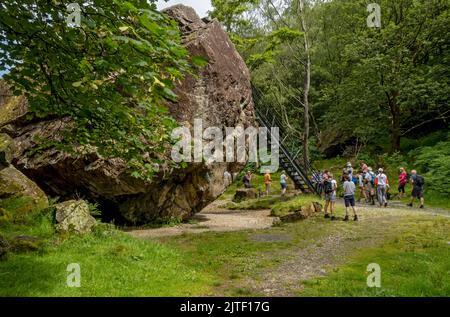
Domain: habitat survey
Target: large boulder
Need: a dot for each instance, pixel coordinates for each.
(74, 216)
(220, 95)
(14, 184)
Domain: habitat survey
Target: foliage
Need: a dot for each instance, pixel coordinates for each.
(434, 164)
(370, 87)
(111, 76)
(230, 12)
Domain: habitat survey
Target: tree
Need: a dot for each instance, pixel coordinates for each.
(230, 12)
(111, 76)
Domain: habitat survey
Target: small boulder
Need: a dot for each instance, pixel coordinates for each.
(307, 211)
(14, 184)
(244, 194)
(318, 207)
(74, 216)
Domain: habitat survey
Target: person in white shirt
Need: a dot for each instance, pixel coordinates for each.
(349, 198)
(382, 184)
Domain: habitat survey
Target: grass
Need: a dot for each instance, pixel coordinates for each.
(210, 264)
(112, 263)
(416, 262)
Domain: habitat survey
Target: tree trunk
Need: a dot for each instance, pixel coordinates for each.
(306, 83)
(395, 122)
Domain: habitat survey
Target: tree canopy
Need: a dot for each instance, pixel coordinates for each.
(370, 87)
(110, 76)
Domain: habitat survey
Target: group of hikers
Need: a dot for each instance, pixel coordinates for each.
(372, 187)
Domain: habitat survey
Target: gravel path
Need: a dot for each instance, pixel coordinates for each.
(213, 218)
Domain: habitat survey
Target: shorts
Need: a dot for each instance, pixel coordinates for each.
(417, 192)
(283, 185)
(330, 196)
(370, 189)
(349, 201)
(401, 188)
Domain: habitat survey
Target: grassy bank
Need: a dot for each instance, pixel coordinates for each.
(414, 256)
(415, 262)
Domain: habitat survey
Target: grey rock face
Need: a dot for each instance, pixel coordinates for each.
(220, 95)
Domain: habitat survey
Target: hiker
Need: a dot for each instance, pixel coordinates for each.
(267, 182)
(369, 181)
(247, 180)
(349, 198)
(362, 191)
(330, 187)
(283, 183)
(382, 184)
(364, 167)
(402, 181)
(347, 171)
(417, 192)
(227, 178)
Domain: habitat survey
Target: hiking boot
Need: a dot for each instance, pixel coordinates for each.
(385, 205)
(327, 216)
(346, 218)
(409, 205)
(422, 207)
(355, 218)
(333, 218)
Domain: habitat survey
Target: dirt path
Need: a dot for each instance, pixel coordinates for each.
(213, 218)
(217, 218)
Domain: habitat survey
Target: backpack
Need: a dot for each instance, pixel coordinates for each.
(419, 181)
(372, 180)
(328, 187)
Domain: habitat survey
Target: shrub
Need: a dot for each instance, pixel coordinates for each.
(434, 164)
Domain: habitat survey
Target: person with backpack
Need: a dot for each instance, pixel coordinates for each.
(364, 167)
(382, 184)
(283, 183)
(349, 170)
(330, 187)
(362, 191)
(247, 179)
(402, 181)
(418, 182)
(369, 182)
(349, 198)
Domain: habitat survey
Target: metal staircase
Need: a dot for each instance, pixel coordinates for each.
(304, 177)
